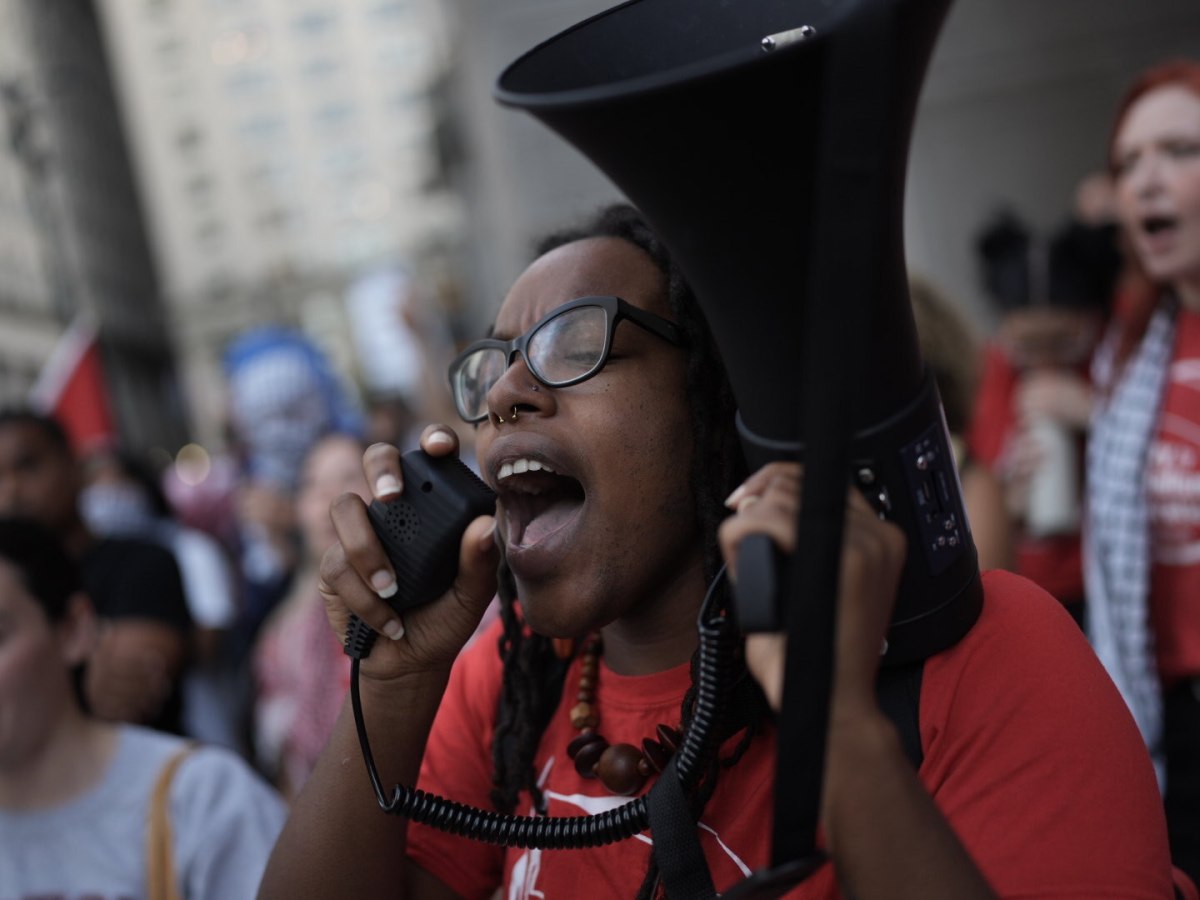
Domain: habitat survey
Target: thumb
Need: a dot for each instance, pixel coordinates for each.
(477, 560)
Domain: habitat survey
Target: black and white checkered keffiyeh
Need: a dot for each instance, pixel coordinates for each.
(1116, 533)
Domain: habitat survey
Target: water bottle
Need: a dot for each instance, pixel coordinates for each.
(1054, 506)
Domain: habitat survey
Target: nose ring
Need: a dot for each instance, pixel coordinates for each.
(511, 418)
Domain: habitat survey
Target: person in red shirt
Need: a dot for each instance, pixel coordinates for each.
(1142, 551)
(610, 491)
(1034, 398)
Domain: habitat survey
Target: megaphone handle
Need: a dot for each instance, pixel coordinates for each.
(759, 564)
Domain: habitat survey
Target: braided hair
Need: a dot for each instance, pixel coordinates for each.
(533, 674)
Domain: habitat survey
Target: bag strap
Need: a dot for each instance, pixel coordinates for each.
(161, 883)
(682, 869)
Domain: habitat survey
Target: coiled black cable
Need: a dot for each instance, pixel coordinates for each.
(717, 640)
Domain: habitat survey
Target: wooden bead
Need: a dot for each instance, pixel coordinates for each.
(588, 756)
(618, 769)
(586, 684)
(669, 737)
(657, 756)
(583, 716)
(583, 740)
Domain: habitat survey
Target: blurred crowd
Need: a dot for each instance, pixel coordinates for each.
(208, 619)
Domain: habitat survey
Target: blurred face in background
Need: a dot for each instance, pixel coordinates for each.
(278, 411)
(333, 467)
(36, 658)
(38, 478)
(1156, 155)
(112, 501)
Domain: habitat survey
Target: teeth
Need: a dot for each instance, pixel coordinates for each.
(521, 466)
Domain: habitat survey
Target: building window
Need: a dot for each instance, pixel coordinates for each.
(262, 128)
(334, 114)
(273, 220)
(343, 160)
(320, 68)
(199, 186)
(315, 22)
(388, 10)
(249, 81)
(189, 139)
(210, 232)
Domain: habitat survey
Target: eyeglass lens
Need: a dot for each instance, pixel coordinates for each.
(568, 347)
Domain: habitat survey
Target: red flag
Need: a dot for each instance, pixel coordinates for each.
(72, 388)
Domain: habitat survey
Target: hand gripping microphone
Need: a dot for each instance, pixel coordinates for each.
(421, 529)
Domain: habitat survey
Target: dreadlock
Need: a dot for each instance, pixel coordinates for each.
(533, 675)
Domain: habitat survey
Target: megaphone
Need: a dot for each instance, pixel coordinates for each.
(766, 141)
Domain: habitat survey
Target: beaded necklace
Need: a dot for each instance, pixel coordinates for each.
(622, 768)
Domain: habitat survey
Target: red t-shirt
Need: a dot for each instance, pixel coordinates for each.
(1054, 562)
(1029, 752)
(1173, 501)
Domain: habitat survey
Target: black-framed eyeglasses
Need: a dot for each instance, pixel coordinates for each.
(568, 346)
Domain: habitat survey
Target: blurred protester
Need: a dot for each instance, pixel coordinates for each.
(93, 809)
(1143, 528)
(302, 675)
(1035, 396)
(950, 349)
(202, 491)
(136, 670)
(283, 395)
(123, 498)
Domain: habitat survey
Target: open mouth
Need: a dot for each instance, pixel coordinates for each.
(1154, 225)
(536, 501)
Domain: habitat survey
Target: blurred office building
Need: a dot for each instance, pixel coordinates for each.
(287, 150)
(73, 246)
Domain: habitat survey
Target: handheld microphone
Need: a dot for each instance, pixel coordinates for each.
(422, 528)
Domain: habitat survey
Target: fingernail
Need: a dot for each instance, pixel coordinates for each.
(746, 502)
(732, 499)
(394, 629)
(386, 485)
(384, 584)
(488, 539)
(440, 439)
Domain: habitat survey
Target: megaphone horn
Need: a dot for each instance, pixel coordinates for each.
(766, 141)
